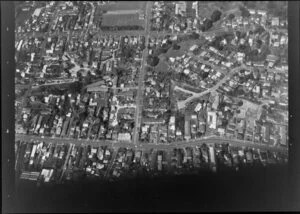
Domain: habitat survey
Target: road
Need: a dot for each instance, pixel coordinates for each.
(176, 144)
(182, 104)
(140, 92)
(66, 161)
(118, 33)
(139, 103)
(111, 163)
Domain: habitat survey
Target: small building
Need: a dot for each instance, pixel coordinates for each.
(187, 128)
(275, 21)
(283, 135)
(212, 119)
(180, 8)
(124, 136)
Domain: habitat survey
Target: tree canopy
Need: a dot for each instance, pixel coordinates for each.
(231, 16)
(216, 15)
(153, 60)
(245, 12)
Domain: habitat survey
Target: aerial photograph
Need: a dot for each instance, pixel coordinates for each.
(115, 91)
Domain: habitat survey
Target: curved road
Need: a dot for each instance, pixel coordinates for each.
(182, 104)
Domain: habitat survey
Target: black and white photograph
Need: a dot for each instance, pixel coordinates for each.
(149, 106)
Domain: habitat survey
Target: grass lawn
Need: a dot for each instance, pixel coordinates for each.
(206, 7)
(23, 16)
(184, 47)
(162, 65)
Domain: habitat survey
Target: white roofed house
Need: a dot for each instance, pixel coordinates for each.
(283, 40)
(240, 56)
(252, 11)
(212, 119)
(275, 21)
(37, 12)
(262, 12)
(180, 8)
(124, 137)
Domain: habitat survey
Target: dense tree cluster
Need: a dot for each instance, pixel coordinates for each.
(176, 46)
(207, 24)
(152, 60)
(216, 43)
(259, 30)
(216, 15)
(244, 12)
(231, 16)
(75, 87)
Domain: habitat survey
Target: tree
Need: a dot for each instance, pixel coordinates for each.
(88, 78)
(244, 12)
(216, 15)
(153, 60)
(75, 87)
(231, 16)
(207, 24)
(258, 44)
(79, 76)
(195, 35)
(259, 30)
(202, 28)
(176, 46)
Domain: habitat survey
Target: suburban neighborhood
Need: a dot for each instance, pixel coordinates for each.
(116, 90)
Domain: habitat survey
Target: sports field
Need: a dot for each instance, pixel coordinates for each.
(125, 5)
(122, 20)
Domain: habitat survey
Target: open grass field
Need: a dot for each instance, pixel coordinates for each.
(162, 65)
(122, 20)
(207, 7)
(184, 47)
(125, 5)
(22, 16)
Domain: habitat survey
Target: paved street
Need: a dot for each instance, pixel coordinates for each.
(110, 143)
(139, 98)
(135, 143)
(182, 104)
